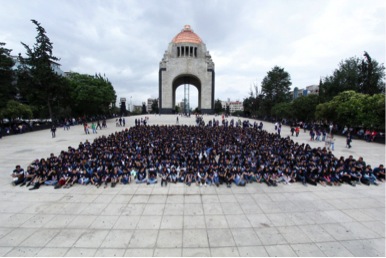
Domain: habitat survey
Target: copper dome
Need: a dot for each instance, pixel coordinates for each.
(187, 36)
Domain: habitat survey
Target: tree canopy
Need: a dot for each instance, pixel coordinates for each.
(7, 91)
(354, 109)
(15, 109)
(275, 88)
(154, 107)
(90, 95)
(361, 75)
(37, 79)
(218, 107)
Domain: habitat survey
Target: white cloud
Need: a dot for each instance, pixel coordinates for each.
(125, 40)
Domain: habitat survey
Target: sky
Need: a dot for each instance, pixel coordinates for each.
(126, 40)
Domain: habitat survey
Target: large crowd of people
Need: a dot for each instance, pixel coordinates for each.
(206, 155)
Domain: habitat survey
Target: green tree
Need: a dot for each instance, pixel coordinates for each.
(15, 109)
(40, 84)
(154, 107)
(372, 76)
(304, 107)
(282, 110)
(374, 112)
(218, 107)
(144, 108)
(364, 76)
(275, 88)
(90, 95)
(349, 108)
(354, 109)
(326, 112)
(7, 90)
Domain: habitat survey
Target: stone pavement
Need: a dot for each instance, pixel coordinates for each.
(150, 220)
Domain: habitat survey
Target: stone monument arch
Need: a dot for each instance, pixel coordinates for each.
(186, 62)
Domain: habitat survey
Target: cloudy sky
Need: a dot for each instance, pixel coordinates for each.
(125, 40)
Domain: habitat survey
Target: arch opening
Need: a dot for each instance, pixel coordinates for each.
(180, 86)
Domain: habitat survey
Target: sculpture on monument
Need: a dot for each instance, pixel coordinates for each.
(186, 62)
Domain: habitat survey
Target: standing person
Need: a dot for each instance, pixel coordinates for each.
(324, 134)
(53, 131)
(123, 122)
(292, 131)
(85, 127)
(177, 119)
(93, 127)
(99, 125)
(332, 142)
(312, 134)
(297, 130)
(348, 140)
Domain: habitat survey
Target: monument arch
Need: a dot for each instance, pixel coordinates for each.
(186, 62)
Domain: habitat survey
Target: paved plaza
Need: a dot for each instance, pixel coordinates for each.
(177, 220)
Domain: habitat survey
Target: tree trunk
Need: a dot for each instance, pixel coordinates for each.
(50, 110)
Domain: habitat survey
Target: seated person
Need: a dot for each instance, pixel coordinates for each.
(17, 175)
(189, 177)
(28, 175)
(238, 177)
(105, 177)
(126, 177)
(248, 175)
(216, 179)
(379, 173)
(228, 177)
(210, 177)
(39, 179)
(221, 175)
(173, 175)
(201, 177)
(83, 177)
(348, 178)
(164, 176)
(141, 176)
(72, 178)
(368, 177)
(152, 177)
(114, 177)
(95, 179)
(301, 175)
(181, 175)
(52, 178)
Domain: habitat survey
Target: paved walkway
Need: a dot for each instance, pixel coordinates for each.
(141, 220)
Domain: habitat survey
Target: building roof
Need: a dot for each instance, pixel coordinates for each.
(187, 35)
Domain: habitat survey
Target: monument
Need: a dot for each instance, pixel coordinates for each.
(186, 62)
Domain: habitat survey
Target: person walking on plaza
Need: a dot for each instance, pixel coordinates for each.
(348, 140)
(99, 125)
(53, 131)
(93, 127)
(85, 126)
